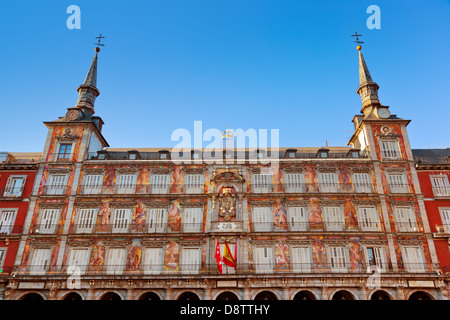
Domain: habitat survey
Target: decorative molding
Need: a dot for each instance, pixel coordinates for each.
(94, 170)
(59, 170)
(160, 170)
(67, 136)
(117, 243)
(153, 243)
(127, 170)
(85, 243)
(88, 204)
(296, 203)
(52, 205)
(122, 204)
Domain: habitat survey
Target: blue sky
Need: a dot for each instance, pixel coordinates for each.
(263, 64)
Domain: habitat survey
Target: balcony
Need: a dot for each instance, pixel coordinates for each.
(408, 227)
(55, 190)
(314, 188)
(10, 229)
(442, 231)
(11, 192)
(441, 191)
(298, 226)
(211, 269)
(391, 155)
(140, 189)
(126, 227)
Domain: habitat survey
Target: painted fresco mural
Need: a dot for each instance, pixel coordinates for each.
(134, 256)
(279, 212)
(315, 215)
(311, 179)
(345, 180)
(176, 180)
(350, 216)
(61, 131)
(174, 217)
(319, 253)
(355, 253)
(138, 217)
(103, 216)
(277, 180)
(143, 180)
(97, 256)
(377, 130)
(171, 256)
(282, 255)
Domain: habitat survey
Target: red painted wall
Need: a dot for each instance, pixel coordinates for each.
(22, 207)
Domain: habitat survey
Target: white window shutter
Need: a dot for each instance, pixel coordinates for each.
(294, 182)
(262, 219)
(301, 257)
(297, 219)
(7, 221)
(86, 220)
(192, 219)
(40, 261)
(159, 183)
(362, 182)
(156, 219)
(48, 221)
(153, 260)
(121, 221)
(190, 260)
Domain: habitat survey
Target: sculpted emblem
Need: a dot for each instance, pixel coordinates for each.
(227, 203)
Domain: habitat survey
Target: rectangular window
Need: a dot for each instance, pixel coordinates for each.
(389, 149)
(264, 260)
(57, 184)
(297, 219)
(405, 219)
(262, 219)
(190, 260)
(157, 219)
(79, 258)
(334, 220)
(159, 183)
(328, 182)
(397, 183)
(445, 218)
(294, 182)
(361, 182)
(64, 151)
(86, 220)
(194, 183)
(40, 261)
(126, 183)
(116, 261)
(2, 257)
(440, 185)
(7, 217)
(301, 259)
(192, 219)
(368, 219)
(375, 257)
(153, 260)
(92, 183)
(49, 220)
(414, 259)
(14, 186)
(121, 220)
(261, 183)
(338, 259)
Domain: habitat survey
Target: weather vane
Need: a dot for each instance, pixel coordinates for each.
(99, 39)
(357, 40)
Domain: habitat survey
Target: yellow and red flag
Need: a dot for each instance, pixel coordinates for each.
(228, 258)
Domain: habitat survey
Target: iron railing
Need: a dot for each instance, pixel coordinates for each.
(7, 229)
(441, 191)
(250, 268)
(274, 226)
(11, 191)
(391, 154)
(54, 190)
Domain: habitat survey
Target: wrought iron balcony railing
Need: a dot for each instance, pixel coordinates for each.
(55, 190)
(11, 191)
(277, 226)
(174, 268)
(10, 229)
(441, 191)
(391, 154)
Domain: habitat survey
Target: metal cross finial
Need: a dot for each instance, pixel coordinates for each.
(357, 38)
(99, 39)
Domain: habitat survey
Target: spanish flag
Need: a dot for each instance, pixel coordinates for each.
(219, 262)
(228, 258)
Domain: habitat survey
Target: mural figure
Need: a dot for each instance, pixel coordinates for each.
(311, 180)
(315, 215)
(319, 254)
(174, 217)
(279, 216)
(171, 256)
(143, 181)
(356, 258)
(176, 180)
(109, 180)
(282, 257)
(134, 258)
(277, 180)
(351, 221)
(103, 217)
(97, 257)
(138, 218)
(345, 179)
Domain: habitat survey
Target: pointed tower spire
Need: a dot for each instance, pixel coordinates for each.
(368, 89)
(88, 92)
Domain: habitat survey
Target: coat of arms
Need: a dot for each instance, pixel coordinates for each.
(227, 203)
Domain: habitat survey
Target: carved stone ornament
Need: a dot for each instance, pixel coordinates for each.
(227, 203)
(67, 136)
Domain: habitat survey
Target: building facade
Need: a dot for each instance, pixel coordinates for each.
(433, 170)
(294, 223)
(17, 175)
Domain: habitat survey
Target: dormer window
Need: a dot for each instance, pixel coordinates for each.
(101, 156)
(163, 154)
(353, 153)
(195, 154)
(133, 155)
(322, 153)
(291, 153)
(65, 149)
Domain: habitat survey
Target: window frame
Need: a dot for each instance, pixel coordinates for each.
(9, 228)
(445, 185)
(8, 188)
(53, 225)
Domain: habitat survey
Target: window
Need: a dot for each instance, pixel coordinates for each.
(126, 183)
(86, 220)
(153, 260)
(194, 183)
(132, 156)
(14, 186)
(92, 183)
(7, 217)
(376, 257)
(262, 219)
(294, 182)
(261, 183)
(334, 220)
(361, 182)
(64, 151)
(445, 217)
(328, 182)
(190, 260)
(397, 183)
(2, 257)
(156, 219)
(368, 219)
(57, 184)
(389, 149)
(414, 259)
(49, 220)
(301, 259)
(338, 259)
(264, 259)
(440, 185)
(192, 219)
(121, 220)
(116, 261)
(101, 156)
(40, 261)
(159, 183)
(79, 259)
(297, 218)
(405, 219)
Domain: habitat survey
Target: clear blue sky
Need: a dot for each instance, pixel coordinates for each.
(264, 64)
